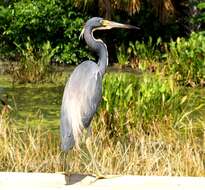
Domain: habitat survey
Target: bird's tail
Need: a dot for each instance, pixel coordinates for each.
(71, 126)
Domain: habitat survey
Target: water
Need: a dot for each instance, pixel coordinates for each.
(33, 104)
(36, 104)
(39, 104)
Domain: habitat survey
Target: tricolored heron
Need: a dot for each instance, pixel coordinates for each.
(83, 91)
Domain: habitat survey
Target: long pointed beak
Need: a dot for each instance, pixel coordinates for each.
(110, 24)
(106, 25)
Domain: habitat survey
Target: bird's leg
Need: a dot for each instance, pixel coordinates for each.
(90, 150)
(66, 166)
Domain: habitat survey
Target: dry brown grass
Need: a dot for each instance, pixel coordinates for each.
(161, 151)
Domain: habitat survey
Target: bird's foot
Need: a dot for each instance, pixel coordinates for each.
(102, 176)
(99, 175)
(67, 177)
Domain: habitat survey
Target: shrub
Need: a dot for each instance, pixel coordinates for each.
(122, 56)
(5, 19)
(147, 98)
(46, 20)
(33, 66)
(146, 50)
(200, 17)
(146, 56)
(157, 97)
(186, 60)
(69, 50)
(118, 96)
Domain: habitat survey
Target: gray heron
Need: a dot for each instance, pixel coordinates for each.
(83, 91)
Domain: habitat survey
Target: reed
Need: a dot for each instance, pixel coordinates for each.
(164, 151)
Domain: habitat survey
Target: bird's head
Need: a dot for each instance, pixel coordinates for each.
(98, 23)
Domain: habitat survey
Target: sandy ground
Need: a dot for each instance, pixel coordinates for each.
(12, 180)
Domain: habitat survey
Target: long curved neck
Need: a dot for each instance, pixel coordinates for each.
(99, 47)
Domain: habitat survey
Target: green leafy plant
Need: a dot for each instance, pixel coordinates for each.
(146, 55)
(148, 98)
(146, 50)
(186, 60)
(118, 96)
(46, 20)
(70, 49)
(33, 66)
(157, 97)
(201, 16)
(122, 56)
(5, 19)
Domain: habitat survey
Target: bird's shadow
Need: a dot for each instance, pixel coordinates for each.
(72, 179)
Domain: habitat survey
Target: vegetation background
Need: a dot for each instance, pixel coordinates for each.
(151, 120)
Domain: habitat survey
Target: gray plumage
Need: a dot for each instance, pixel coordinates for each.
(83, 91)
(81, 98)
